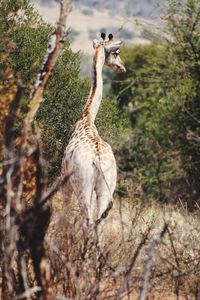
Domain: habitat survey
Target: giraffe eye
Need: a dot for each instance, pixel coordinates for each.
(116, 53)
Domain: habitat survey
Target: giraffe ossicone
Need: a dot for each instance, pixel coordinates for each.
(88, 158)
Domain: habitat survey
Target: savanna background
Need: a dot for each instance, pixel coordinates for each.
(149, 245)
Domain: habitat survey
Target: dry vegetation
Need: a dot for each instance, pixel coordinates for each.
(140, 251)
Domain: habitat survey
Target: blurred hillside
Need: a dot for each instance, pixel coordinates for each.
(127, 20)
(127, 8)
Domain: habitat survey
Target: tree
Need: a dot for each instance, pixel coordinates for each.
(24, 37)
(183, 21)
(22, 187)
(143, 93)
(161, 95)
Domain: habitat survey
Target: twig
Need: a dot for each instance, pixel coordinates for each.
(28, 293)
(9, 158)
(147, 269)
(11, 117)
(137, 252)
(58, 184)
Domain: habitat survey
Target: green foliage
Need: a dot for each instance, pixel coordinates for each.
(64, 99)
(143, 94)
(27, 37)
(30, 50)
(113, 125)
(24, 36)
(23, 42)
(184, 24)
(160, 92)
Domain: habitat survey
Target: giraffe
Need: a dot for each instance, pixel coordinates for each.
(88, 158)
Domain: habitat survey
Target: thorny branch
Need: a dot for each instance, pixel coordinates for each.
(8, 136)
(150, 254)
(23, 228)
(54, 48)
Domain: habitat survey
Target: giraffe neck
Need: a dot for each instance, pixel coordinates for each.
(96, 91)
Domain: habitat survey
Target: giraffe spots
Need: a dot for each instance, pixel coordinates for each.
(85, 126)
(86, 139)
(87, 111)
(97, 148)
(82, 137)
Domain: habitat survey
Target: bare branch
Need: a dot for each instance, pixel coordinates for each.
(11, 117)
(23, 232)
(147, 269)
(28, 293)
(137, 252)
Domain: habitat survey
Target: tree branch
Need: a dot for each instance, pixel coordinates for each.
(54, 48)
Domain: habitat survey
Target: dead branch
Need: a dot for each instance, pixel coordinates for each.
(148, 265)
(25, 224)
(8, 135)
(54, 49)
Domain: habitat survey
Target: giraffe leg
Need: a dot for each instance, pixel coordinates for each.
(105, 187)
(89, 200)
(104, 204)
(83, 181)
(85, 194)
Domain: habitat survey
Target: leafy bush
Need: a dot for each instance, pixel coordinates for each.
(143, 94)
(64, 98)
(183, 21)
(161, 94)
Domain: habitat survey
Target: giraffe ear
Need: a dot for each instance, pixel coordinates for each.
(96, 43)
(113, 46)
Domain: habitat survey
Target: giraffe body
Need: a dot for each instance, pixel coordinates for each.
(88, 158)
(91, 159)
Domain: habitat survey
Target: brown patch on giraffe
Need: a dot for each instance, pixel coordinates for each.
(97, 148)
(96, 143)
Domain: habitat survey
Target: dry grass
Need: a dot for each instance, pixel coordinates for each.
(176, 260)
(138, 251)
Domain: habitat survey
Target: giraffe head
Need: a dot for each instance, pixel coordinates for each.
(111, 52)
